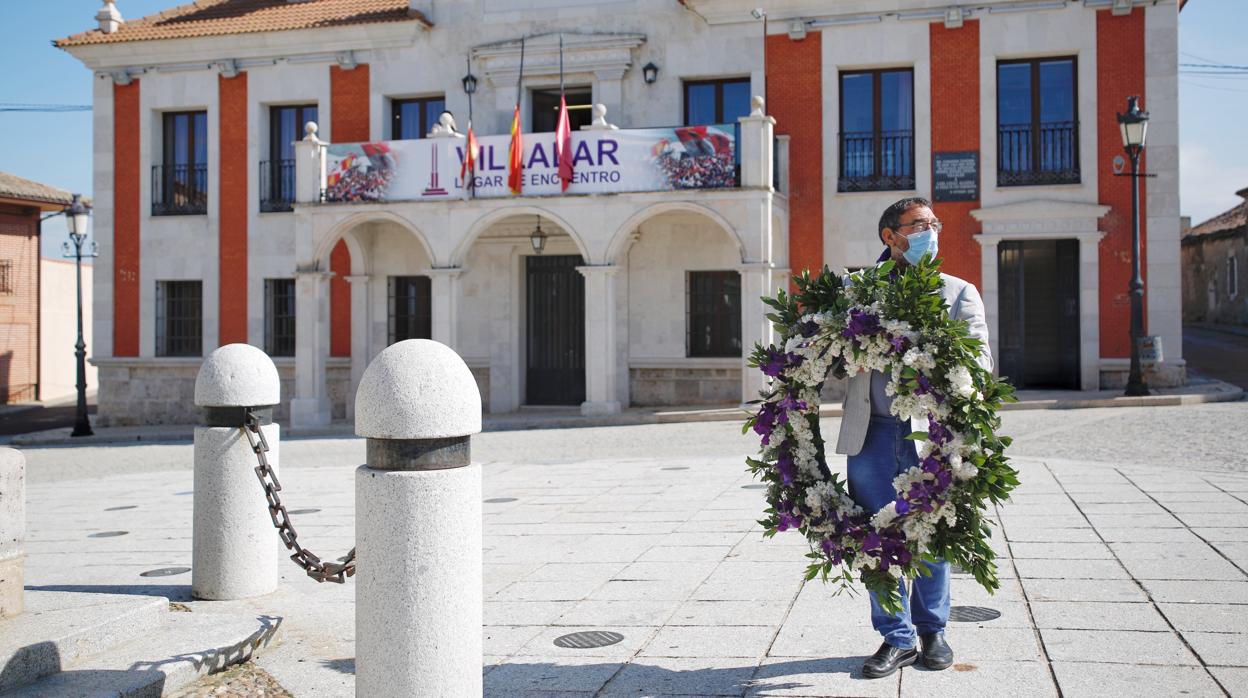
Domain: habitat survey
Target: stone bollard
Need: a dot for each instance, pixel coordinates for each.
(418, 608)
(235, 550)
(12, 531)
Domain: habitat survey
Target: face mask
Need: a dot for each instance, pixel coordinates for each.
(921, 244)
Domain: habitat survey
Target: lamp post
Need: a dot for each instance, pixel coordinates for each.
(77, 216)
(1134, 126)
(538, 238)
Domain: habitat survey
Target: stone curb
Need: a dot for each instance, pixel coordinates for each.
(1213, 391)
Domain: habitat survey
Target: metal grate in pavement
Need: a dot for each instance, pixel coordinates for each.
(500, 500)
(107, 534)
(588, 639)
(973, 614)
(165, 572)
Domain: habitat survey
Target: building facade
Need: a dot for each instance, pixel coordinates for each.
(1214, 254)
(221, 221)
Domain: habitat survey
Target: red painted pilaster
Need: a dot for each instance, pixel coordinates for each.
(1119, 74)
(349, 109)
(795, 94)
(126, 182)
(232, 218)
(955, 128)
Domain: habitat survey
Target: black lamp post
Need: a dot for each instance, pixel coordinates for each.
(1134, 126)
(538, 238)
(650, 73)
(77, 216)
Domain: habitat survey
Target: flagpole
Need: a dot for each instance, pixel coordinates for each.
(520, 75)
(561, 64)
(469, 187)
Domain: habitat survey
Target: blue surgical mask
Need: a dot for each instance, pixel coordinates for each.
(921, 244)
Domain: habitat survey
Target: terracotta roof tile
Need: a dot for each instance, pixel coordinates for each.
(1236, 217)
(222, 17)
(14, 187)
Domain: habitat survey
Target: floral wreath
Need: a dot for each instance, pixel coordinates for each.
(891, 320)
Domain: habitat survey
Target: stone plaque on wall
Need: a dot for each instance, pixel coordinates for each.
(955, 176)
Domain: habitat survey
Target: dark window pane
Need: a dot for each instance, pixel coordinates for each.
(433, 111)
(179, 318)
(714, 313)
(181, 140)
(896, 101)
(700, 104)
(1057, 91)
(409, 121)
(414, 118)
(279, 317)
(736, 101)
(857, 102)
(1014, 93)
(411, 308)
(200, 134)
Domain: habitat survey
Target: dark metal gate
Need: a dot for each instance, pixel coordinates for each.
(1039, 313)
(556, 331)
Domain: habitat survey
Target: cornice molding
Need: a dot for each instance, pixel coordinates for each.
(606, 56)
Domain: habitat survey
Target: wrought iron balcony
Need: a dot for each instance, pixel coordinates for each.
(872, 161)
(1046, 152)
(277, 185)
(179, 190)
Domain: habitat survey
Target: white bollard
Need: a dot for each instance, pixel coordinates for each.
(12, 531)
(235, 549)
(418, 609)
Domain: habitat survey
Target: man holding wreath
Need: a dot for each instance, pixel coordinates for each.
(875, 442)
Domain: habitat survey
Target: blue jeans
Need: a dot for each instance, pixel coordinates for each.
(886, 454)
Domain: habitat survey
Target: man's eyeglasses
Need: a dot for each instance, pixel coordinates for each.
(920, 226)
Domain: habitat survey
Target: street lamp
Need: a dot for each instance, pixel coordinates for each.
(538, 238)
(1134, 126)
(650, 73)
(470, 83)
(77, 217)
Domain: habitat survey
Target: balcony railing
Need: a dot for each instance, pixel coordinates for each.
(873, 161)
(277, 185)
(1039, 153)
(179, 190)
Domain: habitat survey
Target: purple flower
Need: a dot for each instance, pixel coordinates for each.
(778, 361)
(786, 468)
(925, 385)
(937, 431)
(790, 402)
(900, 344)
(809, 328)
(860, 323)
(903, 507)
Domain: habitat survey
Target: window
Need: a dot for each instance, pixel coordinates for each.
(1232, 276)
(877, 130)
(279, 317)
(716, 101)
(180, 182)
(179, 318)
(277, 174)
(546, 108)
(1037, 134)
(6, 277)
(411, 308)
(414, 118)
(714, 313)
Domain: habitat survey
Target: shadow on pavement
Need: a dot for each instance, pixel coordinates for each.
(173, 592)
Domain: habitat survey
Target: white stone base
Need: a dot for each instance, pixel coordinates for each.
(310, 412)
(599, 409)
(1167, 374)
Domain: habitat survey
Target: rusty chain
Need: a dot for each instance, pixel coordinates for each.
(320, 571)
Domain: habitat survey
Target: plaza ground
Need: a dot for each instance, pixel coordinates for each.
(1123, 561)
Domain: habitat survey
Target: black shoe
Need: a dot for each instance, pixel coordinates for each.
(937, 654)
(887, 660)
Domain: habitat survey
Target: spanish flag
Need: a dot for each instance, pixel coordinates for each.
(515, 155)
(467, 171)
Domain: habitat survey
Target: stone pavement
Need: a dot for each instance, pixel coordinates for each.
(1115, 578)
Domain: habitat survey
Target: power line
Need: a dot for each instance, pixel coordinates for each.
(50, 108)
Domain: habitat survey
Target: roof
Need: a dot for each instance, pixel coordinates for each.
(1230, 220)
(17, 188)
(223, 17)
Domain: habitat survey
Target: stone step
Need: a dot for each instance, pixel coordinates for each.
(188, 646)
(61, 628)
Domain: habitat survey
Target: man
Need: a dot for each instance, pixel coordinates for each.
(875, 442)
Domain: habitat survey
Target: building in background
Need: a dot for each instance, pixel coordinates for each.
(1215, 253)
(38, 327)
(646, 291)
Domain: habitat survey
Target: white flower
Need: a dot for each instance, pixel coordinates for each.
(885, 516)
(960, 379)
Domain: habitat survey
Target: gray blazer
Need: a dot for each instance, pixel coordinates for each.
(964, 304)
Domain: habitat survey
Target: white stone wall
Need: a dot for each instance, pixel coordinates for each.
(58, 328)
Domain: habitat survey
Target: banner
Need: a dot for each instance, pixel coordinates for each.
(632, 160)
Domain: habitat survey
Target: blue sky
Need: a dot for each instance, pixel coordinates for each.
(56, 148)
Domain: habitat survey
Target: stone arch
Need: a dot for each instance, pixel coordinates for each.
(485, 221)
(622, 238)
(344, 231)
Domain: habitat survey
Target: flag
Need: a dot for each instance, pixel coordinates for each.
(467, 171)
(563, 145)
(515, 155)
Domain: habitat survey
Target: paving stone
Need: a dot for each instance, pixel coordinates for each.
(669, 553)
(522, 612)
(1077, 615)
(1071, 569)
(1235, 680)
(1116, 646)
(1113, 590)
(1221, 519)
(1222, 648)
(730, 613)
(505, 640)
(1083, 679)
(528, 675)
(1177, 536)
(716, 641)
(1194, 569)
(658, 571)
(980, 678)
(1162, 520)
(760, 590)
(1152, 551)
(1222, 534)
(835, 676)
(796, 640)
(562, 571)
(1204, 591)
(992, 643)
(681, 676)
(1218, 617)
(612, 613)
(1052, 535)
(664, 589)
(1014, 522)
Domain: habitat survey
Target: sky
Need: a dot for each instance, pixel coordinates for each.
(55, 148)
